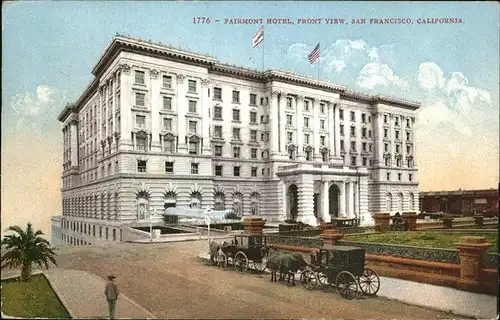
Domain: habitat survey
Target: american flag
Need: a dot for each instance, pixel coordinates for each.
(314, 55)
(259, 37)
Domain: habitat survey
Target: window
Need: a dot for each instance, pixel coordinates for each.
(236, 96)
(396, 121)
(218, 151)
(397, 148)
(407, 123)
(236, 171)
(167, 124)
(218, 170)
(306, 138)
(353, 145)
(363, 146)
(306, 105)
(253, 117)
(322, 124)
(322, 140)
(353, 160)
(385, 118)
(388, 176)
(386, 147)
(386, 162)
(140, 121)
(217, 131)
(408, 149)
(289, 119)
(253, 135)
(306, 122)
(192, 126)
(341, 129)
(192, 106)
(194, 168)
(353, 118)
(409, 163)
(236, 152)
(139, 77)
(385, 133)
(369, 133)
(254, 171)
(168, 145)
(193, 147)
(397, 134)
(253, 153)
(407, 136)
(167, 82)
(322, 108)
(363, 132)
(291, 154)
(409, 177)
(141, 166)
(169, 167)
(308, 156)
(288, 102)
(236, 133)
(342, 146)
(253, 99)
(364, 161)
(218, 94)
(141, 144)
(341, 114)
(218, 113)
(236, 115)
(289, 136)
(353, 131)
(370, 147)
(399, 176)
(167, 103)
(192, 86)
(139, 99)
(363, 117)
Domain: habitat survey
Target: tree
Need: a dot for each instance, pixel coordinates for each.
(24, 248)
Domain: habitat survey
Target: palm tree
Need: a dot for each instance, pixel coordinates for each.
(24, 248)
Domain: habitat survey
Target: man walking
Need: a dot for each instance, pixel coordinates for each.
(111, 293)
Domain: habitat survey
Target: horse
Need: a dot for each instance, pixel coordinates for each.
(286, 263)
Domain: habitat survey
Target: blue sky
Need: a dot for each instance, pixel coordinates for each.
(50, 48)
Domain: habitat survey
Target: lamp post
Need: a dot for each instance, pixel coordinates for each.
(207, 221)
(151, 225)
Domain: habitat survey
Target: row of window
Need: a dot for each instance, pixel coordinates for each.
(85, 228)
(396, 134)
(218, 169)
(74, 241)
(400, 175)
(397, 120)
(398, 148)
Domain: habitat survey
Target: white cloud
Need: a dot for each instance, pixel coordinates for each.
(32, 110)
(430, 76)
(376, 74)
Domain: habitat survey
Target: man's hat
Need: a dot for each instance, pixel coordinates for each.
(111, 277)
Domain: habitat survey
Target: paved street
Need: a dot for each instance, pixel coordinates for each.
(169, 280)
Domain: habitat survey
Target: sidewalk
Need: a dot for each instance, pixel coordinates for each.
(82, 294)
(460, 303)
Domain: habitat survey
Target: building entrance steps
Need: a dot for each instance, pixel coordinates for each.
(458, 302)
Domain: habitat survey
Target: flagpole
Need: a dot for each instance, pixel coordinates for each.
(263, 44)
(319, 59)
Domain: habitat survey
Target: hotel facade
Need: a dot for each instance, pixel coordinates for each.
(161, 127)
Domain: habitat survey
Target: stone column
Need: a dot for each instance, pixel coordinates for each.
(274, 124)
(205, 124)
(182, 108)
(330, 236)
(299, 125)
(331, 131)
(471, 248)
(126, 103)
(155, 86)
(342, 211)
(410, 219)
(282, 125)
(378, 134)
(306, 200)
(337, 129)
(315, 127)
(414, 143)
(351, 200)
(326, 203)
(382, 221)
(74, 143)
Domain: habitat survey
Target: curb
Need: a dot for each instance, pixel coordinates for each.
(59, 296)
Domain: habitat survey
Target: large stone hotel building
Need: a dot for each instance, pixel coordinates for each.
(161, 127)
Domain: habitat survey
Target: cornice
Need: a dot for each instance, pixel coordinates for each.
(355, 96)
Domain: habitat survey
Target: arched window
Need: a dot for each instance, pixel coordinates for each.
(254, 204)
(103, 212)
(412, 198)
(170, 200)
(219, 201)
(195, 200)
(109, 206)
(116, 206)
(400, 201)
(142, 208)
(238, 204)
(389, 202)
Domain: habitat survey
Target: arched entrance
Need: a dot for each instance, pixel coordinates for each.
(333, 200)
(293, 202)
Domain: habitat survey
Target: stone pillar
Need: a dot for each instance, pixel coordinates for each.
(331, 131)
(253, 225)
(410, 219)
(74, 143)
(274, 125)
(155, 86)
(305, 201)
(337, 129)
(205, 124)
(382, 221)
(478, 219)
(326, 203)
(351, 200)
(471, 248)
(315, 127)
(181, 109)
(299, 126)
(282, 125)
(378, 135)
(330, 236)
(447, 222)
(342, 211)
(126, 104)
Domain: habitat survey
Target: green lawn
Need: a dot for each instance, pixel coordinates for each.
(422, 239)
(33, 299)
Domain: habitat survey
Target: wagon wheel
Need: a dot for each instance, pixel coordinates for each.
(260, 265)
(308, 279)
(222, 260)
(240, 262)
(347, 285)
(369, 282)
(323, 279)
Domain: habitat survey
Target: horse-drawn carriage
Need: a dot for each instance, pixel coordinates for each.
(243, 252)
(342, 267)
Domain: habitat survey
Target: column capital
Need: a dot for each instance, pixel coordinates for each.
(125, 68)
(300, 98)
(205, 82)
(275, 94)
(154, 74)
(180, 78)
(316, 100)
